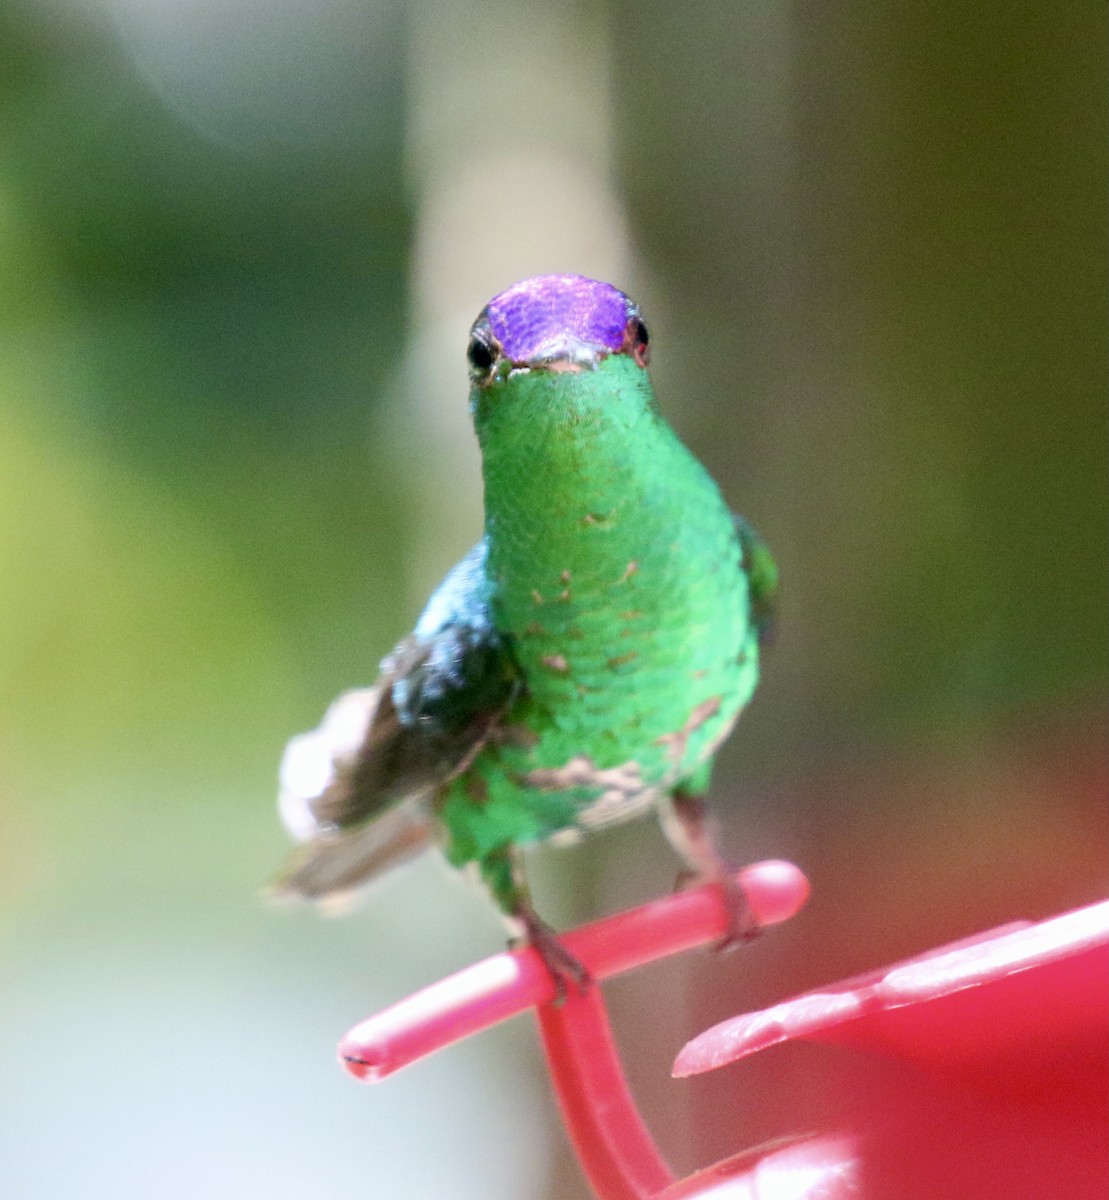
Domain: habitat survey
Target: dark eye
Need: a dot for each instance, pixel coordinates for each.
(638, 340)
(481, 355)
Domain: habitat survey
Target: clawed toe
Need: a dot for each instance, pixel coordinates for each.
(565, 969)
(743, 925)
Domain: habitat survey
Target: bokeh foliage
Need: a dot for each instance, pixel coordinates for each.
(872, 242)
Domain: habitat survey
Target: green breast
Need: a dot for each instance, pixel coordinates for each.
(616, 572)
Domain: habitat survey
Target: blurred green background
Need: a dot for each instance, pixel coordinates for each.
(240, 247)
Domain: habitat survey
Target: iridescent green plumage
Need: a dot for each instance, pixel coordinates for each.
(585, 660)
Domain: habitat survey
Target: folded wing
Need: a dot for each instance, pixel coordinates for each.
(357, 790)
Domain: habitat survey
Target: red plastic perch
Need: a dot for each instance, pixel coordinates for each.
(614, 1147)
(509, 983)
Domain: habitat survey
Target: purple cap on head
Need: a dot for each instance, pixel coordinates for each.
(540, 313)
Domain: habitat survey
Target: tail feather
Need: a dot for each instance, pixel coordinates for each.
(333, 867)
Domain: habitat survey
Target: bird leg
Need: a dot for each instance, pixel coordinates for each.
(566, 970)
(503, 872)
(689, 828)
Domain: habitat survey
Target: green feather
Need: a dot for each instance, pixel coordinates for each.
(580, 665)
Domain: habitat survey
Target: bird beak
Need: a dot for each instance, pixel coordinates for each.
(565, 353)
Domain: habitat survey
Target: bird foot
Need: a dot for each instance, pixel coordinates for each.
(564, 969)
(743, 925)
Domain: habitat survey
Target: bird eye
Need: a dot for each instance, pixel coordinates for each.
(481, 356)
(638, 341)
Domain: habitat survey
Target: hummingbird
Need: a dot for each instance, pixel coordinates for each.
(581, 665)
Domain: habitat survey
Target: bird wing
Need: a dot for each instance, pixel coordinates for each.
(355, 790)
(762, 578)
